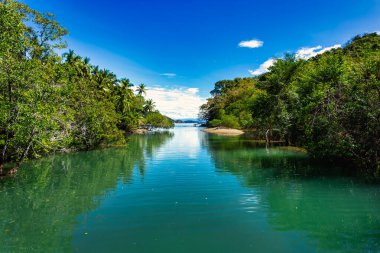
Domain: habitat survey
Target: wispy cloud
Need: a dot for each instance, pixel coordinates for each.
(177, 103)
(303, 53)
(309, 52)
(169, 75)
(263, 67)
(251, 43)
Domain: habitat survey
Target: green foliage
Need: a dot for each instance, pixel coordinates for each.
(157, 120)
(230, 98)
(226, 121)
(50, 104)
(329, 104)
(215, 122)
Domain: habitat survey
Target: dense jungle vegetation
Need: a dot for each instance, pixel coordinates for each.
(50, 102)
(329, 104)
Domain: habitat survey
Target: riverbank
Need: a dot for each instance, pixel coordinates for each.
(140, 131)
(224, 131)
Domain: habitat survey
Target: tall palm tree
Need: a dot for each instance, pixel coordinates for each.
(149, 106)
(124, 95)
(141, 89)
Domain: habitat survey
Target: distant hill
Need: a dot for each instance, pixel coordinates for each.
(195, 121)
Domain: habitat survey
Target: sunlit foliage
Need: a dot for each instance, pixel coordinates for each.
(329, 104)
(51, 103)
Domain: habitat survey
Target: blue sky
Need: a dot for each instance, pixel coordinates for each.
(179, 49)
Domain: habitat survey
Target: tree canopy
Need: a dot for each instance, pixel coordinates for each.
(329, 104)
(53, 103)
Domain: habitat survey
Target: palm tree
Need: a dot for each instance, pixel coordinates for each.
(125, 83)
(149, 106)
(70, 57)
(105, 79)
(86, 61)
(141, 89)
(124, 95)
(95, 70)
(83, 67)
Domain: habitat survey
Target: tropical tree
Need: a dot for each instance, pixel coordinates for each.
(141, 89)
(49, 104)
(149, 106)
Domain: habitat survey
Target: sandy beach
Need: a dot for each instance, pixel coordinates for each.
(223, 131)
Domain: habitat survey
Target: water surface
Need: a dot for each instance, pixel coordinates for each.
(187, 191)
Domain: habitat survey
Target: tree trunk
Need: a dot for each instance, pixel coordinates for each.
(267, 136)
(26, 151)
(4, 151)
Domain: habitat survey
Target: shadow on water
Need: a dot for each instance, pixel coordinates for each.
(336, 213)
(47, 195)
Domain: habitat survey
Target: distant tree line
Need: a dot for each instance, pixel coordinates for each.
(51, 103)
(329, 104)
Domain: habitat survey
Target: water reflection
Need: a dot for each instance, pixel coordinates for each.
(40, 206)
(186, 191)
(251, 202)
(336, 213)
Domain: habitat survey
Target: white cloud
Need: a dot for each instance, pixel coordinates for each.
(193, 90)
(251, 43)
(309, 52)
(263, 67)
(169, 75)
(176, 103)
(378, 33)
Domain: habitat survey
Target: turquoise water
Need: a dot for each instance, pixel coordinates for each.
(187, 191)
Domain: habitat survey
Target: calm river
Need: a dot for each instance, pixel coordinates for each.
(186, 191)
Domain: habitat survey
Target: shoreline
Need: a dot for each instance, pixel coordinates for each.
(223, 131)
(140, 131)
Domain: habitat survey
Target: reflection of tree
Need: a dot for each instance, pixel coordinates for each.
(252, 161)
(332, 211)
(39, 207)
(145, 146)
